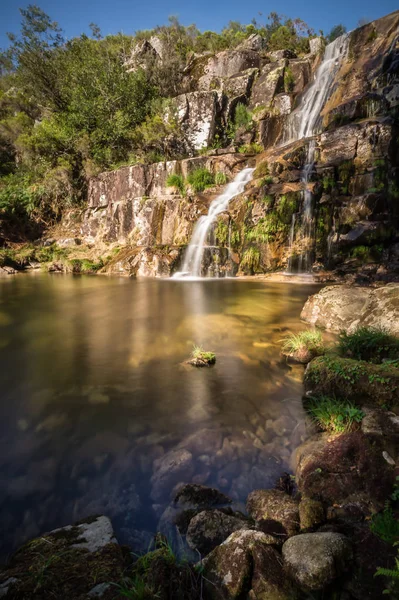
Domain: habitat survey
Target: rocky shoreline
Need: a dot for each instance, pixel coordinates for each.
(316, 531)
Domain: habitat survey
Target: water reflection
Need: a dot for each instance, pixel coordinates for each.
(96, 400)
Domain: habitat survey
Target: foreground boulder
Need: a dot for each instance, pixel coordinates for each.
(316, 559)
(210, 528)
(59, 564)
(343, 307)
(275, 511)
(246, 563)
(347, 471)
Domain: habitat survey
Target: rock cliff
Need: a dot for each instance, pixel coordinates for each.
(354, 182)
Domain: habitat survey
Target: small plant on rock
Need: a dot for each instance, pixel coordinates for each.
(304, 346)
(221, 178)
(176, 181)
(202, 358)
(370, 344)
(333, 414)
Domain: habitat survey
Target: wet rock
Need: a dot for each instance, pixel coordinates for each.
(5, 586)
(316, 559)
(311, 514)
(227, 569)
(274, 506)
(210, 528)
(269, 579)
(99, 590)
(200, 496)
(174, 467)
(347, 469)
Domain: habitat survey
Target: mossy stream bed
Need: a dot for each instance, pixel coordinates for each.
(99, 413)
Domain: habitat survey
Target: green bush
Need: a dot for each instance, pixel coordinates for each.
(200, 179)
(221, 178)
(176, 181)
(370, 344)
(332, 414)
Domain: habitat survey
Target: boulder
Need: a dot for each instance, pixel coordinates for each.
(197, 113)
(346, 470)
(227, 569)
(315, 559)
(346, 307)
(276, 508)
(210, 528)
(177, 465)
(226, 64)
(269, 578)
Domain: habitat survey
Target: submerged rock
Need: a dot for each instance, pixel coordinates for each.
(199, 496)
(316, 559)
(177, 465)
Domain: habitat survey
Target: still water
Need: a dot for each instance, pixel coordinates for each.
(100, 414)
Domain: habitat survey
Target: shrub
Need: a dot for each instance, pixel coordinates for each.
(243, 117)
(310, 340)
(332, 414)
(250, 259)
(200, 179)
(221, 178)
(176, 181)
(370, 344)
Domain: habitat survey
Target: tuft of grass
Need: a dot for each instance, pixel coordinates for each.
(200, 179)
(243, 117)
(176, 181)
(369, 343)
(137, 589)
(267, 180)
(310, 340)
(221, 178)
(332, 414)
(199, 354)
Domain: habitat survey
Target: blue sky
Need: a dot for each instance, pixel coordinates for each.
(130, 15)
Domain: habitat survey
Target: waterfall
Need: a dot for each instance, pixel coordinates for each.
(306, 122)
(192, 265)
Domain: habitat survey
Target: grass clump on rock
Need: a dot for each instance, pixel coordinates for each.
(370, 344)
(200, 179)
(202, 358)
(333, 414)
(176, 181)
(304, 346)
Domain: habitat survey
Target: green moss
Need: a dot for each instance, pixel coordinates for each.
(261, 170)
(357, 381)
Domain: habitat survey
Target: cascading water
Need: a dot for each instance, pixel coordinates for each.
(192, 265)
(305, 122)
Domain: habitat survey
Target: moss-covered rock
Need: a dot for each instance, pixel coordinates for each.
(358, 381)
(311, 513)
(274, 507)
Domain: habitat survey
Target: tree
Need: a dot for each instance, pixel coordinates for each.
(336, 32)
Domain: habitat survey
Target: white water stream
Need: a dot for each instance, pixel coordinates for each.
(192, 265)
(305, 122)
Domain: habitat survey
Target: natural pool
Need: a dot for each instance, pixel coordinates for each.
(99, 413)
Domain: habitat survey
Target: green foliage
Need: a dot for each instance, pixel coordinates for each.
(287, 206)
(332, 414)
(221, 178)
(267, 180)
(289, 80)
(199, 354)
(176, 181)
(268, 200)
(253, 148)
(222, 233)
(200, 179)
(243, 117)
(310, 340)
(262, 170)
(385, 526)
(370, 344)
(336, 32)
(328, 183)
(250, 260)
